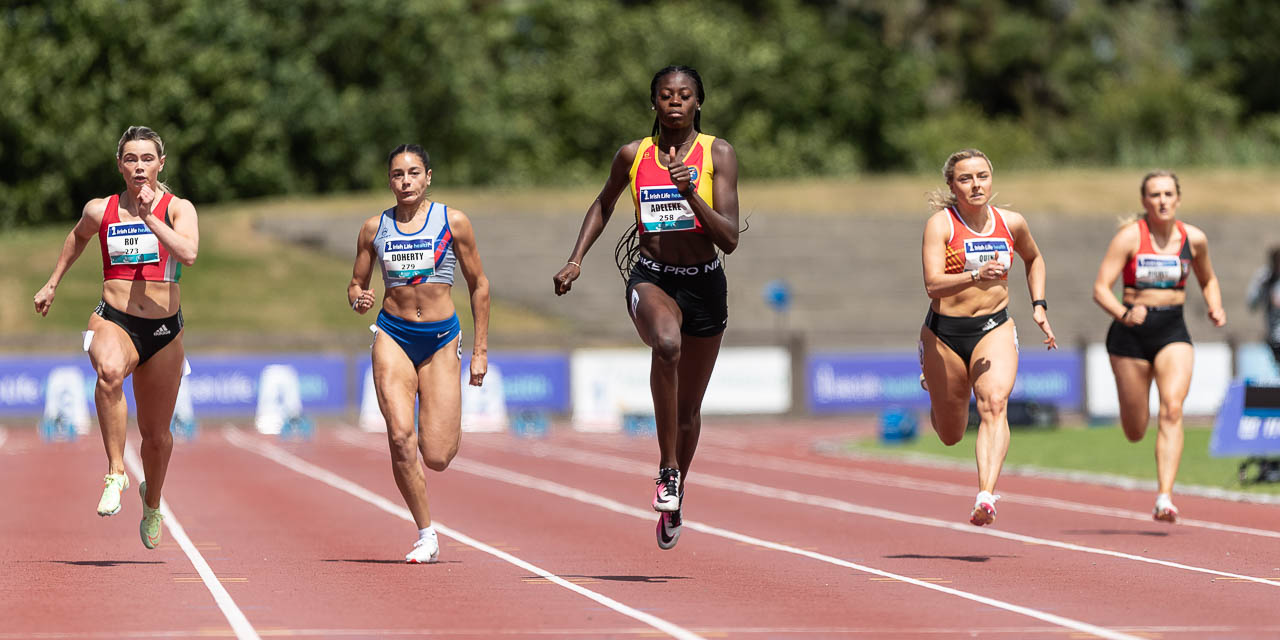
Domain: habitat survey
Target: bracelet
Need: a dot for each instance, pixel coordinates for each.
(974, 275)
(354, 303)
(575, 264)
(1040, 303)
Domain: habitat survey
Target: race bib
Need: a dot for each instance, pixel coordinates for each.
(664, 209)
(131, 243)
(1157, 271)
(979, 251)
(409, 258)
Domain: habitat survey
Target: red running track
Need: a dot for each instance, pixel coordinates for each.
(554, 538)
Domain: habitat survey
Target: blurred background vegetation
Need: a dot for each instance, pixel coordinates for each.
(306, 96)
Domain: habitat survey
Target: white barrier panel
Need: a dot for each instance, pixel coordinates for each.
(184, 411)
(484, 408)
(279, 398)
(66, 403)
(370, 413)
(607, 383)
(1210, 378)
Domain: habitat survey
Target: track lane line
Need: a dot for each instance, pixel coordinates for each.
(294, 463)
(625, 465)
(235, 617)
(819, 470)
(571, 493)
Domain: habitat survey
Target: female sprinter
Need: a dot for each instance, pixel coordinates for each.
(1148, 339)
(417, 350)
(146, 234)
(684, 184)
(968, 341)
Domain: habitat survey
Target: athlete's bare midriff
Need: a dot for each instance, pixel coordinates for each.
(678, 247)
(982, 298)
(143, 298)
(426, 302)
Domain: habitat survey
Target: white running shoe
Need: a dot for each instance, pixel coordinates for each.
(425, 551)
(669, 524)
(149, 528)
(115, 483)
(1164, 510)
(667, 495)
(984, 510)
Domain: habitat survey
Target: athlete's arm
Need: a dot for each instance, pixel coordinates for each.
(183, 238)
(1025, 245)
(72, 247)
(464, 247)
(598, 215)
(721, 224)
(937, 283)
(1113, 261)
(359, 295)
(1204, 273)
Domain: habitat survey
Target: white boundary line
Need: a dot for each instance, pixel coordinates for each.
(1031, 471)
(236, 618)
(802, 467)
(290, 461)
(624, 465)
(563, 491)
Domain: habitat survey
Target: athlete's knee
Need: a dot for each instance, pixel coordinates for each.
(691, 423)
(667, 347)
(992, 404)
(111, 375)
(1170, 412)
(438, 460)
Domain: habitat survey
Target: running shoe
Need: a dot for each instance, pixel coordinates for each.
(425, 551)
(984, 511)
(669, 524)
(115, 483)
(667, 496)
(150, 528)
(1164, 511)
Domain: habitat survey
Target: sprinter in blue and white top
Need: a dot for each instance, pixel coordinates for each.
(417, 349)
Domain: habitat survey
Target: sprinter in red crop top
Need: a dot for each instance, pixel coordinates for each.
(146, 235)
(968, 341)
(684, 185)
(1148, 340)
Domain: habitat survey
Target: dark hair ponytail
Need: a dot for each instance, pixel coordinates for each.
(688, 71)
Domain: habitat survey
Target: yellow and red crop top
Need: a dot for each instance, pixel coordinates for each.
(659, 206)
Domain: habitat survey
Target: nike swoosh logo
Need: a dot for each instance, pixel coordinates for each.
(441, 335)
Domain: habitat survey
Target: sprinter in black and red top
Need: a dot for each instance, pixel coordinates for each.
(146, 235)
(968, 341)
(1148, 339)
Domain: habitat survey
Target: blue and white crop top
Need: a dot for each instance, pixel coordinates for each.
(425, 255)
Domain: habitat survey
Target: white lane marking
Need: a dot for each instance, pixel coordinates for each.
(1032, 471)
(563, 491)
(819, 470)
(625, 465)
(874, 632)
(290, 461)
(239, 623)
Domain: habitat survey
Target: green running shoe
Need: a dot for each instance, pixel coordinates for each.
(115, 483)
(149, 528)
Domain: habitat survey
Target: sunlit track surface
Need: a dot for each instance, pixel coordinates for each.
(307, 538)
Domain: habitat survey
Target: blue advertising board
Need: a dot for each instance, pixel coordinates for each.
(530, 380)
(1248, 423)
(840, 382)
(219, 384)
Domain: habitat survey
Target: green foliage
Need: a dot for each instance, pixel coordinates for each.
(305, 96)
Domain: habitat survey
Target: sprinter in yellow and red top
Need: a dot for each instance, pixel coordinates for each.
(968, 341)
(146, 234)
(684, 184)
(1148, 339)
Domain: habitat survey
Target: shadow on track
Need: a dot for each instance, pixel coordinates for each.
(921, 556)
(102, 563)
(1116, 532)
(383, 561)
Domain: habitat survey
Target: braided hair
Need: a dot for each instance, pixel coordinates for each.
(628, 247)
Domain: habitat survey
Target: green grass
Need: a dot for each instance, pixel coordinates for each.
(1094, 449)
